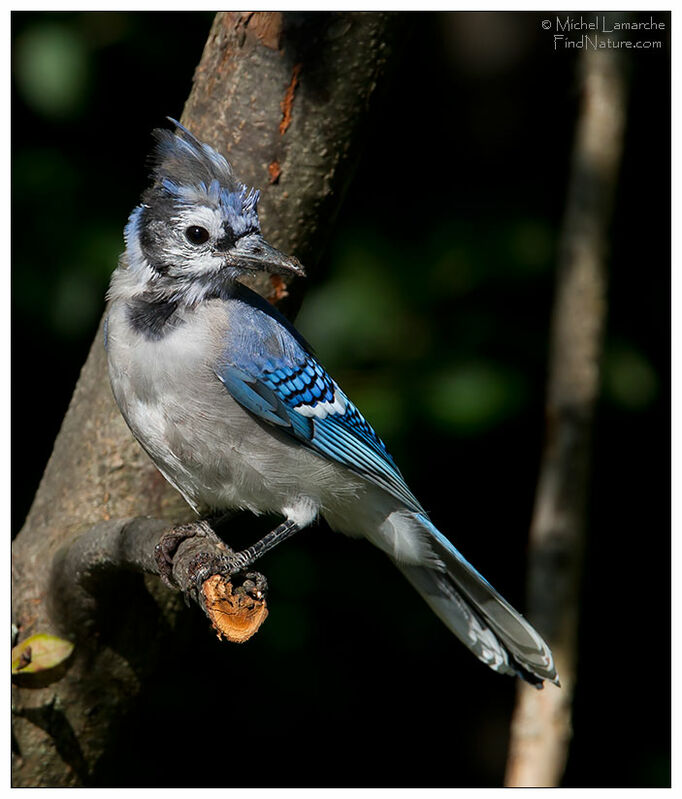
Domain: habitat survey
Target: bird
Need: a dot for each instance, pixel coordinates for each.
(235, 410)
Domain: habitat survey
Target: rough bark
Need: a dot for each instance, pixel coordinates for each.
(541, 728)
(283, 96)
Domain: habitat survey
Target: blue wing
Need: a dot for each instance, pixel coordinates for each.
(292, 391)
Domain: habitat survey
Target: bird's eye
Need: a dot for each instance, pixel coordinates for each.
(196, 235)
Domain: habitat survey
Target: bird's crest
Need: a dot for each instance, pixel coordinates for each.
(191, 171)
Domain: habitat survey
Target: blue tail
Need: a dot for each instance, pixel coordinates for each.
(473, 610)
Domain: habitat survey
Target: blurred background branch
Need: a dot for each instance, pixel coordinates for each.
(541, 728)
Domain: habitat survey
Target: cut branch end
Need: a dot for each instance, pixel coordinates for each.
(236, 613)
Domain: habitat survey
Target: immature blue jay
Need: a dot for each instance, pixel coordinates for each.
(228, 400)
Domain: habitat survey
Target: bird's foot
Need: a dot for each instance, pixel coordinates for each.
(205, 565)
(165, 550)
(217, 559)
(254, 585)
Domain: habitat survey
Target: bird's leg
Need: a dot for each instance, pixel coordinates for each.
(240, 560)
(229, 564)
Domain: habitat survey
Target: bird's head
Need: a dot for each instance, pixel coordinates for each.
(197, 222)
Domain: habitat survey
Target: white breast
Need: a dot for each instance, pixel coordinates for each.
(205, 444)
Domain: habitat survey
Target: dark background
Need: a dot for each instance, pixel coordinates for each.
(432, 311)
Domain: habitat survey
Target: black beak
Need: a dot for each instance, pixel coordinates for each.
(253, 252)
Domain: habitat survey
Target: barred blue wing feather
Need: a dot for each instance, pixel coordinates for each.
(295, 393)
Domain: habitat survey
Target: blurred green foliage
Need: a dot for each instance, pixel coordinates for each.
(432, 310)
(52, 69)
(373, 312)
(630, 380)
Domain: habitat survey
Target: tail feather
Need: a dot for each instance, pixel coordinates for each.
(476, 613)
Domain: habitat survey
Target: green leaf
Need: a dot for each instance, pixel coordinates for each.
(39, 653)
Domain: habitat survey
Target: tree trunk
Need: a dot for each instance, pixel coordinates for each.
(283, 96)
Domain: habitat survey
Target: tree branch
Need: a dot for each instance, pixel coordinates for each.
(236, 610)
(541, 728)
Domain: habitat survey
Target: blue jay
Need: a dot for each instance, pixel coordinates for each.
(230, 403)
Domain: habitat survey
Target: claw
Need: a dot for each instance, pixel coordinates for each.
(255, 585)
(165, 550)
